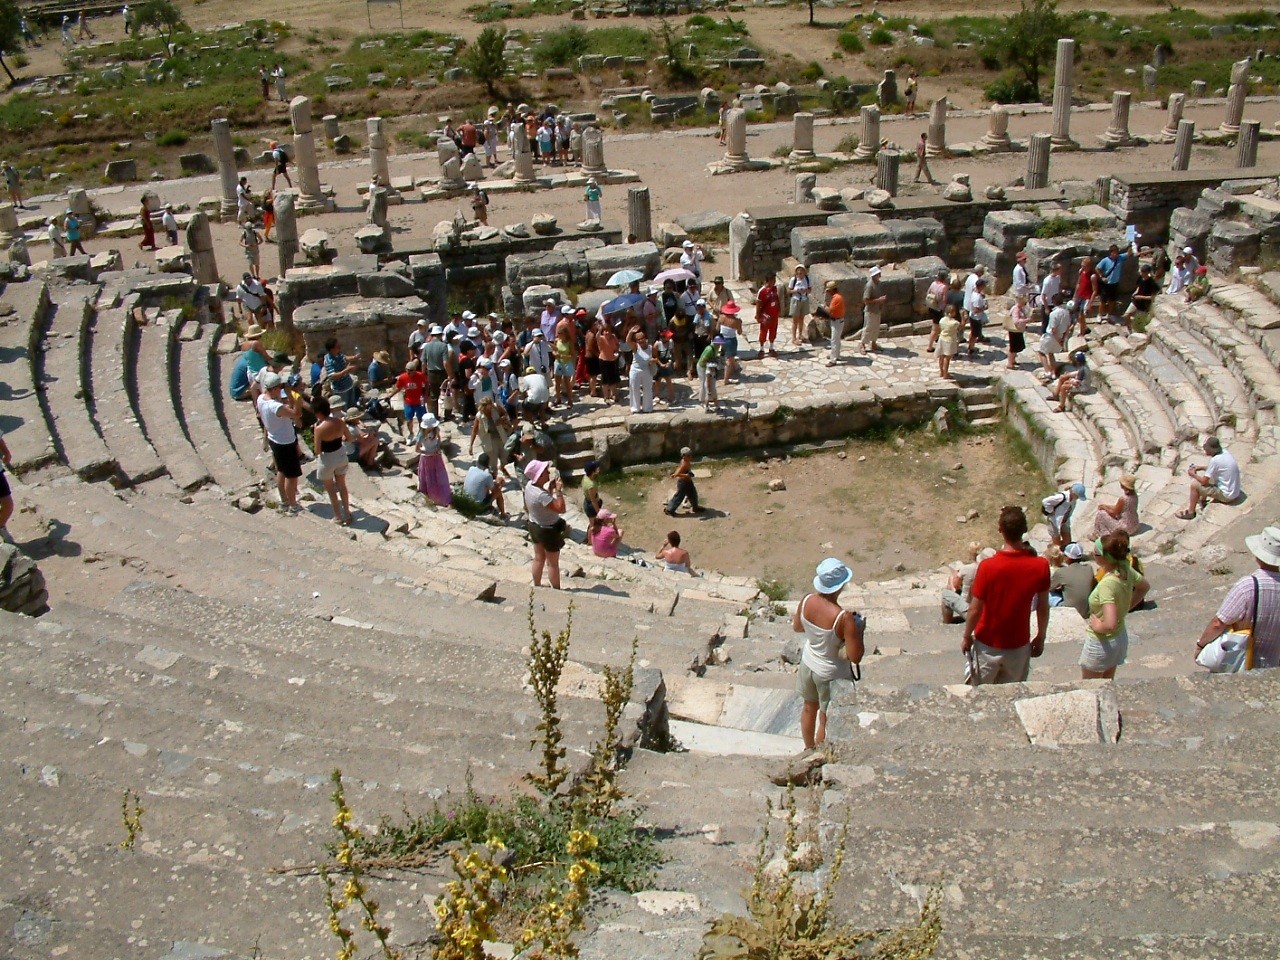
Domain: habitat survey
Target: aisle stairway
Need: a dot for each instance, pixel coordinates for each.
(221, 663)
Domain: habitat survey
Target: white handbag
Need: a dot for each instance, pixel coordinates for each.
(1232, 651)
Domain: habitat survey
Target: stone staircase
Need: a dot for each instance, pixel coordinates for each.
(221, 664)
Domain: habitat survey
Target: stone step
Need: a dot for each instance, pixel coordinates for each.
(979, 411)
(65, 391)
(1228, 404)
(1234, 345)
(1178, 391)
(1147, 420)
(239, 418)
(111, 362)
(200, 415)
(156, 403)
(201, 860)
(1065, 452)
(1256, 307)
(26, 431)
(423, 746)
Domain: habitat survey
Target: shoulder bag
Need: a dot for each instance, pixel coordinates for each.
(1232, 651)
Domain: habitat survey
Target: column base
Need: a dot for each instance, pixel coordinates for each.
(595, 171)
(1112, 139)
(227, 211)
(1166, 136)
(800, 156)
(931, 151)
(865, 153)
(1063, 143)
(316, 204)
(1229, 129)
(997, 143)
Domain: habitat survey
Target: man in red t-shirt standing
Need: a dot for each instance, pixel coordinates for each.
(413, 383)
(768, 308)
(997, 631)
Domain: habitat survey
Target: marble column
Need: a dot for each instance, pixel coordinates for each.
(1177, 102)
(997, 135)
(1038, 161)
(869, 139)
(1235, 98)
(1182, 145)
(286, 231)
(1149, 78)
(937, 146)
(378, 157)
(801, 136)
(1063, 82)
(735, 154)
(522, 156)
(639, 214)
(304, 156)
(1117, 132)
(227, 173)
(1199, 88)
(331, 129)
(204, 265)
(888, 166)
(805, 182)
(1247, 148)
(593, 164)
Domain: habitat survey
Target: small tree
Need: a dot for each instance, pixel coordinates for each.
(1029, 38)
(161, 16)
(10, 34)
(486, 61)
(811, 13)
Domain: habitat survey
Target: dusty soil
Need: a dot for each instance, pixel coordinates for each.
(895, 510)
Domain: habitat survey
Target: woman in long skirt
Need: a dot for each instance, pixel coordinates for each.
(433, 477)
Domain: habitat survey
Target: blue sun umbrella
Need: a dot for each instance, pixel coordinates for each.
(622, 303)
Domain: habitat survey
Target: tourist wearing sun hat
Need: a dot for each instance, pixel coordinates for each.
(544, 503)
(833, 644)
(1121, 515)
(691, 258)
(1254, 602)
(873, 301)
(592, 195)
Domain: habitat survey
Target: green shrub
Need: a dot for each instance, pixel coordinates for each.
(811, 72)
(881, 37)
(561, 47)
(1056, 227)
(700, 20)
(1010, 88)
(171, 138)
(850, 41)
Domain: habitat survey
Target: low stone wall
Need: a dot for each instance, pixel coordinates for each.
(772, 424)
(761, 237)
(1147, 200)
(22, 588)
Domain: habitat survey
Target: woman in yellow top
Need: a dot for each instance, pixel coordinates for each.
(564, 349)
(1106, 645)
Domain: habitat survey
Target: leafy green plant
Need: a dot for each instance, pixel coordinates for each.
(850, 41)
(811, 72)
(485, 60)
(171, 138)
(1056, 227)
(560, 47)
(881, 37)
(547, 657)
(1028, 39)
(1010, 88)
(774, 590)
(469, 507)
(10, 35)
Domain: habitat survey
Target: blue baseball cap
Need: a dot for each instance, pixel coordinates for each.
(1078, 489)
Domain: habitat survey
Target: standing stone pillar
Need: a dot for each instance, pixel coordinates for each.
(1159, 55)
(1247, 148)
(1117, 133)
(227, 174)
(522, 156)
(869, 141)
(331, 129)
(639, 214)
(805, 182)
(593, 164)
(997, 135)
(887, 167)
(1149, 77)
(9, 230)
(204, 265)
(304, 156)
(937, 146)
(286, 230)
(378, 166)
(801, 136)
(1177, 102)
(1235, 98)
(78, 201)
(1199, 88)
(1063, 82)
(450, 165)
(1038, 161)
(735, 154)
(887, 90)
(1182, 145)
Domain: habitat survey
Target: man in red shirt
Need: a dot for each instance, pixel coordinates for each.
(413, 382)
(768, 307)
(468, 139)
(997, 631)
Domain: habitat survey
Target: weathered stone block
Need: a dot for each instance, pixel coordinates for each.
(1073, 717)
(384, 284)
(607, 260)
